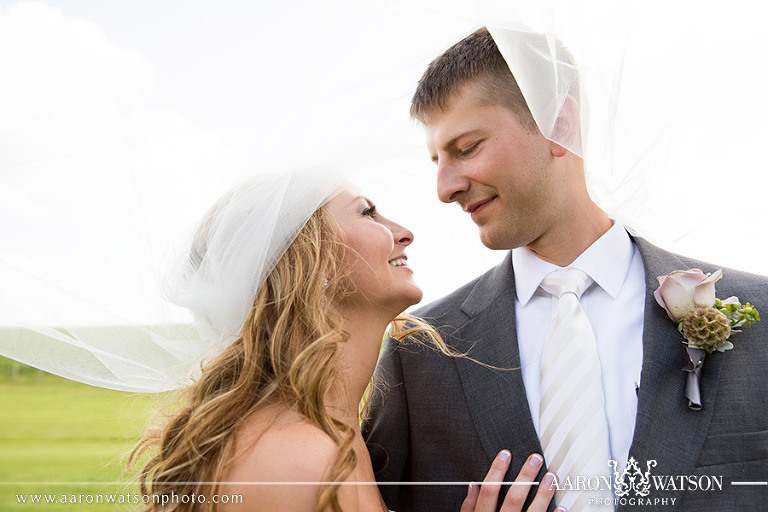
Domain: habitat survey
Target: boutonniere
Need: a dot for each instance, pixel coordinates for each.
(706, 322)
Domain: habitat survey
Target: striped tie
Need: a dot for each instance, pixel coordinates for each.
(573, 425)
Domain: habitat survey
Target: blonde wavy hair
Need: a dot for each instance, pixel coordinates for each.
(287, 353)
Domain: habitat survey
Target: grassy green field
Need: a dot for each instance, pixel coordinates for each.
(54, 431)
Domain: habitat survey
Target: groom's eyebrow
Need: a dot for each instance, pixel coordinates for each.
(453, 142)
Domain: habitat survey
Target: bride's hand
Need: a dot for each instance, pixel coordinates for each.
(486, 497)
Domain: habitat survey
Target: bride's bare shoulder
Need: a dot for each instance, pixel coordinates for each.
(275, 451)
(282, 446)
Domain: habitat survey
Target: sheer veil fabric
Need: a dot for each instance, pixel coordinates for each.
(111, 146)
(215, 274)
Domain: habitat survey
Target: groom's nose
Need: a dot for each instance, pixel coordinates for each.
(450, 181)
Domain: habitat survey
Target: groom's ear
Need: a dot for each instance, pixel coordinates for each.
(567, 126)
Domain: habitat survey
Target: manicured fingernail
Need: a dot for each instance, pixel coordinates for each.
(536, 460)
(470, 489)
(548, 479)
(561, 509)
(504, 456)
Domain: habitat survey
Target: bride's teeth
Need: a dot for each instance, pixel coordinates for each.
(400, 262)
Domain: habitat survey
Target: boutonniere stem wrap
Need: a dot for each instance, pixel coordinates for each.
(706, 322)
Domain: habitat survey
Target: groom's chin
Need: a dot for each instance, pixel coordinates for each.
(492, 239)
(506, 234)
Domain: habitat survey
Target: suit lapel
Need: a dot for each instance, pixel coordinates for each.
(497, 400)
(666, 430)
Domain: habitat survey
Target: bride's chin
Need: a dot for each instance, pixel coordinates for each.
(418, 295)
(412, 297)
(395, 303)
(402, 302)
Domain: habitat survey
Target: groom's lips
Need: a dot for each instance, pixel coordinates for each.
(474, 209)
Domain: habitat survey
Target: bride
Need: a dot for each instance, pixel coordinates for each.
(274, 415)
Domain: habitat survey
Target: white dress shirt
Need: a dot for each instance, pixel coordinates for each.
(614, 304)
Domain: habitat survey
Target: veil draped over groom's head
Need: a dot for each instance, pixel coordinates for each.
(539, 83)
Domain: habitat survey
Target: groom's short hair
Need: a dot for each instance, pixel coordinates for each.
(474, 59)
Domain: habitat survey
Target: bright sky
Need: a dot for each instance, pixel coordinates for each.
(122, 121)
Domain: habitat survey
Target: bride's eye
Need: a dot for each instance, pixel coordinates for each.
(369, 212)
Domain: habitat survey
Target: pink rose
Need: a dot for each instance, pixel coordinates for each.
(681, 291)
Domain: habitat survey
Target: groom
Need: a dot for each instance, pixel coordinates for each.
(440, 419)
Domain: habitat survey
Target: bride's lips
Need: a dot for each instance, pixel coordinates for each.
(476, 208)
(400, 262)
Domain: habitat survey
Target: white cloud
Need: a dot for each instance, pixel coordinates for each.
(87, 164)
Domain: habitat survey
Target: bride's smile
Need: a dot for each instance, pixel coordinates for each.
(379, 273)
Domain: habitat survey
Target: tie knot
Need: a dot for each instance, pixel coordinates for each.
(566, 280)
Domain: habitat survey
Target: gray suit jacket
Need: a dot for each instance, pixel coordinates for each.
(437, 418)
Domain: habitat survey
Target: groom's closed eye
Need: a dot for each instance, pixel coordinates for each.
(470, 149)
(458, 144)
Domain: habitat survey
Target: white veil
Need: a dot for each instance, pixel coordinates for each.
(215, 275)
(117, 131)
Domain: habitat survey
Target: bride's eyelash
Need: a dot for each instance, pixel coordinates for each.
(369, 212)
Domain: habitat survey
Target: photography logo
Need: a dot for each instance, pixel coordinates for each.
(636, 485)
(632, 479)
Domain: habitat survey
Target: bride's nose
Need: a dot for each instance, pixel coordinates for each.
(402, 235)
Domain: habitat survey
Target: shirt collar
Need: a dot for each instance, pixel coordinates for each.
(606, 261)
